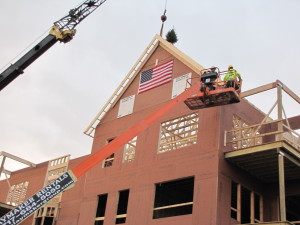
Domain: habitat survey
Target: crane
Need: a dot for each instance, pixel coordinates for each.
(62, 30)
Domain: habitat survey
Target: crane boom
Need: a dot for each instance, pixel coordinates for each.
(62, 30)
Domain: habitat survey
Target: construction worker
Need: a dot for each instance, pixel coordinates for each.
(232, 78)
(208, 78)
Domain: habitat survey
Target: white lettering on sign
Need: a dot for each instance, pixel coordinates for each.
(32, 204)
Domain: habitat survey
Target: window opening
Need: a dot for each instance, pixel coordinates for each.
(38, 221)
(45, 216)
(174, 198)
(102, 200)
(178, 133)
(235, 214)
(110, 159)
(129, 150)
(257, 208)
(246, 205)
(122, 207)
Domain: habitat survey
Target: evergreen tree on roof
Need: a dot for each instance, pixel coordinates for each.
(172, 36)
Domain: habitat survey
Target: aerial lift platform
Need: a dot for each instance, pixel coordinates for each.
(214, 91)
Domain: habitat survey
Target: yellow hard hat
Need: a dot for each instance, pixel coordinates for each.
(230, 67)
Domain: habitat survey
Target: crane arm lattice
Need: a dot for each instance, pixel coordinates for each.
(76, 15)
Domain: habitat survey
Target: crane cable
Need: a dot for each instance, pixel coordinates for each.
(18, 56)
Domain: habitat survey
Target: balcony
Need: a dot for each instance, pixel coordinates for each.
(257, 152)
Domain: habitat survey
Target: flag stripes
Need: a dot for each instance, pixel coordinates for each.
(156, 76)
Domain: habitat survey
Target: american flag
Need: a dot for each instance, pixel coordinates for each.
(156, 76)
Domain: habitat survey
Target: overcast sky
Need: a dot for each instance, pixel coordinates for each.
(45, 111)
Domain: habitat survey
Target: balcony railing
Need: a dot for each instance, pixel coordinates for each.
(262, 133)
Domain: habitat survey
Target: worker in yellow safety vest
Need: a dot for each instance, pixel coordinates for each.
(232, 77)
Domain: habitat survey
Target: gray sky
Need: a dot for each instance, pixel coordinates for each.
(45, 111)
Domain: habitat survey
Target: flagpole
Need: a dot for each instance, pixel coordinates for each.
(163, 19)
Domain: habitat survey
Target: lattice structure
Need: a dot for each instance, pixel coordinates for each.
(178, 133)
(129, 150)
(238, 124)
(17, 193)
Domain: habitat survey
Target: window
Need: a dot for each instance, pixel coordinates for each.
(16, 194)
(45, 216)
(129, 150)
(244, 137)
(122, 207)
(235, 211)
(178, 133)
(102, 200)
(246, 205)
(110, 159)
(173, 198)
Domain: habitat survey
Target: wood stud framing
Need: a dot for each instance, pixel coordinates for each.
(178, 133)
(17, 193)
(237, 202)
(129, 150)
(244, 134)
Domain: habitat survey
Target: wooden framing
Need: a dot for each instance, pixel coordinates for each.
(269, 87)
(178, 133)
(129, 150)
(16, 158)
(282, 207)
(237, 136)
(173, 206)
(238, 208)
(45, 212)
(241, 133)
(17, 193)
(13, 157)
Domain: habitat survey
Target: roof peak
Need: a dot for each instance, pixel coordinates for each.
(156, 41)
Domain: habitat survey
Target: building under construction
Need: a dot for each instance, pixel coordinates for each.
(221, 165)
